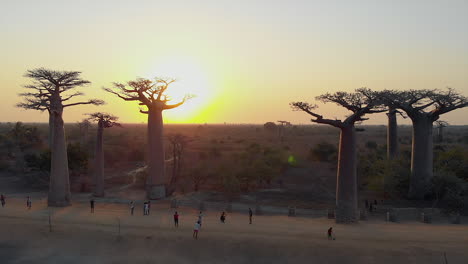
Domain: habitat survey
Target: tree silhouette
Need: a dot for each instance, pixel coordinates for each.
(363, 101)
(83, 126)
(152, 95)
(104, 120)
(179, 143)
(440, 126)
(423, 107)
(52, 91)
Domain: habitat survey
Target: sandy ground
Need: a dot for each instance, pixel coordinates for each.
(81, 237)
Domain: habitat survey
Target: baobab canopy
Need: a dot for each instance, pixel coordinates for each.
(151, 94)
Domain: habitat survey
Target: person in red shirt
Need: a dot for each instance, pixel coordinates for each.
(176, 219)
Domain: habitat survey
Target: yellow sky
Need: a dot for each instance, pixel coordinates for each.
(245, 60)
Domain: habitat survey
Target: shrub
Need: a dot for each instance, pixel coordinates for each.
(324, 152)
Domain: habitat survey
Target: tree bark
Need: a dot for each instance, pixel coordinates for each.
(421, 158)
(156, 182)
(392, 134)
(346, 188)
(99, 163)
(51, 130)
(59, 190)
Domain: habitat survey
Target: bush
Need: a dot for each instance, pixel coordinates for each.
(324, 152)
(450, 190)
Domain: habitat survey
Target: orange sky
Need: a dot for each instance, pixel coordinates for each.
(245, 60)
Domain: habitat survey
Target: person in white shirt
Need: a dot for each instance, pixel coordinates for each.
(196, 228)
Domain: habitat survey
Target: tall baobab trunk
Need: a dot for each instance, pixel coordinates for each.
(51, 130)
(421, 158)
(346, 189)
(440, 136)
(59, 190)
(392, 134)
(156, 182)
(99, 163)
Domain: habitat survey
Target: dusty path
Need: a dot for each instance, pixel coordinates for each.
(81, 237)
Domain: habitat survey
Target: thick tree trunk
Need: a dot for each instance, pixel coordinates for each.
(59, 189)
(440, 136)
(421, 158)
(346, 182)
(99, 163)
(156, 181)
(51, 130)
(392, 134)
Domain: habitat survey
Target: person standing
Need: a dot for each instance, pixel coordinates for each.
(145, 208)
(330, 233)
(200, 216)
(132, 207)
(29, 203)
(196, 228)
(176, 219)
(91, 204)
(149, 207)
(222, 217)
(250, 215)
(2, 199)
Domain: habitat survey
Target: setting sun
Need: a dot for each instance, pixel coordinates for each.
(192, 78)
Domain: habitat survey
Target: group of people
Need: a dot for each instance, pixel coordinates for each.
(28, 201)
(198, 223)
(370, 205)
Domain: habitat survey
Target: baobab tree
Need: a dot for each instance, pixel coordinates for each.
(440, 126)
(281, 128)
(152, 95)
(361, 102)
(392, 133)
(179, 143)
(83, 126)
(423, 107)
(104, 120)
(51, 91)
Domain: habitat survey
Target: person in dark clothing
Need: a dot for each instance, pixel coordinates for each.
(149, 207)
(330, 233)
(250, 215)
(2, 199)
(91, 203)
(222, 217)
(132, 207)
(367, 204)
(375, 202)
(176, 219)
(371, 207)
(29, 203)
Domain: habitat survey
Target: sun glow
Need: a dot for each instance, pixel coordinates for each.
(191, 79)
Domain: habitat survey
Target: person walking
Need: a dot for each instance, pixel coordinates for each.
(29, 203)
(250, 215)
(149, 207)
(91, 204)
(196, 228)
(222, 217)
(145, 208)
(200, 216)
(2, 199)
(176, 219)
(132, 207)
(330, 234)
